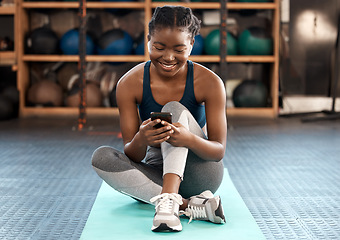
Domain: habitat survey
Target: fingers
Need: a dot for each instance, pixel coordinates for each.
(162, 131)
(157, 132)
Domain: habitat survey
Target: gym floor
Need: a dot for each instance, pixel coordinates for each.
(286, 171)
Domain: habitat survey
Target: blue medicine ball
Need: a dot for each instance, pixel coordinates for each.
(69, 43)
(198, 45)
(139, 45)
(115, 42)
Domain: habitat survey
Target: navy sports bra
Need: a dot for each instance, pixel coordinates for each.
(149, 104)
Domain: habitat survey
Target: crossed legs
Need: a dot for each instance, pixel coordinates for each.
(167, 170)
(146, 179)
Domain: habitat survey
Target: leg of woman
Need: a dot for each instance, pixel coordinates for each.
(197, 174)
(138, 180)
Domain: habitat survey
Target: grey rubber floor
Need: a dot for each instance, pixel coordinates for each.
(287, 172)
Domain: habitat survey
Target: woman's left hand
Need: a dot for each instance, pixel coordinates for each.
(180, 136)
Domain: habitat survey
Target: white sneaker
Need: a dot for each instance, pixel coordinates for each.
(167, 212)
(205, 207)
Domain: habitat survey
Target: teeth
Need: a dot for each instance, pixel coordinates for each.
(168, 66)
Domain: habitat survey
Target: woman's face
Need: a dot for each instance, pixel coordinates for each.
(169, 49)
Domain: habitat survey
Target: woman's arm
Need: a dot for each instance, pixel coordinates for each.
(134, 148)
(136, 137)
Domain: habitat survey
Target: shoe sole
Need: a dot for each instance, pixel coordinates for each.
(218, 216)
(219, 212)
(163, 227)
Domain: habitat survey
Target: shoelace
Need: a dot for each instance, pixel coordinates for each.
(194, 212)
(165, 202)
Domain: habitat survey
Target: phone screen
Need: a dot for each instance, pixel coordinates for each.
(165, 116)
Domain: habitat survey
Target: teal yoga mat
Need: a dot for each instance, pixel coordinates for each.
(116, 216)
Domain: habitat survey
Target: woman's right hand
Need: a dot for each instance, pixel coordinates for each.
(154, 136)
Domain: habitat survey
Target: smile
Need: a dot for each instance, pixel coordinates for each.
(167, 66)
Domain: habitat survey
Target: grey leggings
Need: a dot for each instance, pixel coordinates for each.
(144, 180)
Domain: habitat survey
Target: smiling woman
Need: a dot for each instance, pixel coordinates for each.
(169, 50)
(179, 165)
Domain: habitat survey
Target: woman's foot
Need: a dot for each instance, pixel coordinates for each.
(167, 212)
(206, 207)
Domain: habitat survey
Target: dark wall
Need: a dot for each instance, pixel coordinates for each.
(312, 30)
(6, 26)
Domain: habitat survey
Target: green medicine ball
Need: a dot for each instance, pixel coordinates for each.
(212, 43)
(255, 41)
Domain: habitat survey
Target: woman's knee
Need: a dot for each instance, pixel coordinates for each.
(170, 106)
(103, 157)
(177, 110)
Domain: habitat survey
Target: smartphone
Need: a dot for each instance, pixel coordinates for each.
(165, 116)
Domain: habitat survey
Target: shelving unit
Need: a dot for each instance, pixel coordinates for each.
(7, 10)
(8, 58)
(147, 6)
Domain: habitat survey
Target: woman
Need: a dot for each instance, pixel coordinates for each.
(177, 166)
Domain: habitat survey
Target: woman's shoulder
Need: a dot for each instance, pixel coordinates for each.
(204, 75)
(130, 86)
(134, 76)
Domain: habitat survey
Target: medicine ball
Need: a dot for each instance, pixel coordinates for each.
(6, 108)
(230, 86)
(45, 93)
(65, 73)
(12, 93)
(9, 102)
(139, 45)
(198, 45)
(108, 83)
(255, 41)
(69, 43)
(115, 42)
(94, 96)
(250, 93)
(212, 43)
(42, 41)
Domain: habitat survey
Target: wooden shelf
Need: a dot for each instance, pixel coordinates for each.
(252, 112)
(253, 59)
(141, 5)
(89, 58)
(244, 6)
(7, 10)
(131, 5)
(66, 111)
(217, 5)
(7, 58)
(141, 58)
(147, 6)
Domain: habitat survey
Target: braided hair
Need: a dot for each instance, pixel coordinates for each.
(175, 16)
